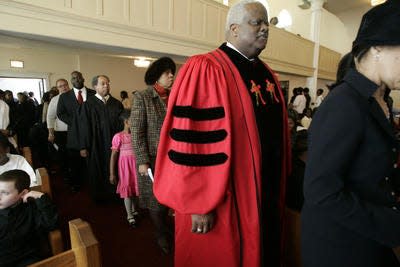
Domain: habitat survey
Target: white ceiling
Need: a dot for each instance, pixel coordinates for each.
(338, 6)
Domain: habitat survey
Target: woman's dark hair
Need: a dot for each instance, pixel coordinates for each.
(125, 115)
(20, 178)
(157, 68)
(124, 94)
(345, 64)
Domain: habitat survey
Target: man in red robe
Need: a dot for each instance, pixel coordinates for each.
(223, 154)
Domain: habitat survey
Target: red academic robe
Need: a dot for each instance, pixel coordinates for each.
(197, 174)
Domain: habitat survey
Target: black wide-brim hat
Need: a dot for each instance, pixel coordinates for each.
(380, 26)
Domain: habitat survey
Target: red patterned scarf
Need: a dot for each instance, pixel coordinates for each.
(162, 92)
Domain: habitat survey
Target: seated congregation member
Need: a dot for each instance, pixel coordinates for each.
(25, 218)
(351, 213)
(307, 118)
(98, 123)
(12, 161)
(294, 184)
(68, 107)
(147, 116)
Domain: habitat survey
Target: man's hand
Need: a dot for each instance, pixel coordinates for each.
(84, 153)
(50, 138)
(113, 179)
(5, 132)
(33, 194)
(202, 224)
(143, 169)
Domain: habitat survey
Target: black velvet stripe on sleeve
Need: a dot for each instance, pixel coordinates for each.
(198, 160)
(198, 137)
(198, 114)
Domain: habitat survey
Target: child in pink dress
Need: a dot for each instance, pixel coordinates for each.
(122, 152)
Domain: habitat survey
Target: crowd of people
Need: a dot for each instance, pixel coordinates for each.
(221, 148)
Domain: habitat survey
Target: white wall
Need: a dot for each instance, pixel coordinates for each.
(352, 20)
(57, 61)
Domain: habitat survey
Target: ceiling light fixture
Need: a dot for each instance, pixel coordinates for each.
(141, 62)
(377, 2)
(16, 64)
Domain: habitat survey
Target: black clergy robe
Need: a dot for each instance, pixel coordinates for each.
(98, 123)
(268, 113)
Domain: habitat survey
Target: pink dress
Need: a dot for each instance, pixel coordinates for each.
(127, 184)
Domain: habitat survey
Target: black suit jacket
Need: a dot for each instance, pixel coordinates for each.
(67, 109)
(351, 215)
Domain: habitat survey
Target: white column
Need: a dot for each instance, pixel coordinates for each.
(316, 15)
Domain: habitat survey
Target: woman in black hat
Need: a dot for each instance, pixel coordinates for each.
(147, 116)
(351, 214)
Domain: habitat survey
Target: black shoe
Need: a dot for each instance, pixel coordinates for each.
(132, 222)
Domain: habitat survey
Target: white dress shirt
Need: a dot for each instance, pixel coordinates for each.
(4, 115)
(84, 93)
(52, 120)
(17, 162)
(299, 103)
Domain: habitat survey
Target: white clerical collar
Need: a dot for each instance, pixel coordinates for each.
(228, 44)
(104, 99)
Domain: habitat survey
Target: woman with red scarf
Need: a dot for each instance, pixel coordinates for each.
(148, 113)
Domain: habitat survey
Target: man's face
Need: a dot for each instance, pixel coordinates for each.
(103, 86)
(62, 86)
(77, 80)
(251, 35)
(9, 194)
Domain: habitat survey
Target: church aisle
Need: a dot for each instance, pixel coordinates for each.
(120, 244)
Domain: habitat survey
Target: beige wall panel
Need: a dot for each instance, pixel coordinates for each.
(162, 15)
(181, 17)
(197, 15)
(52, 4)
(140, 12)
(213, 27)
(328, 62)
(114, 10)
(87, 8)
(223, 13)
(289, 53)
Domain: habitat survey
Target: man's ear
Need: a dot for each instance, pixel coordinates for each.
(234, 29)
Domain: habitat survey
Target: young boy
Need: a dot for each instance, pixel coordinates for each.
(25, 216)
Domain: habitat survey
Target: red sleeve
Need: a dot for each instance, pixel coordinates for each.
(193, 158)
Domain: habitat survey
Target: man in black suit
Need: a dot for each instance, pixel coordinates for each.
(68, 107)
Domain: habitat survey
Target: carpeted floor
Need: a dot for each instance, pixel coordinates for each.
(121, 245)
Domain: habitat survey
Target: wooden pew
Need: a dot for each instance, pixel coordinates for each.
(84, 252)
(55, 237)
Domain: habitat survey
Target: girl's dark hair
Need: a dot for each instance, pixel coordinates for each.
(125, 115)
(157, 68)
(124, 94)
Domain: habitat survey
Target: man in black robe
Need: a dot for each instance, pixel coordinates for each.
(98, 123)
